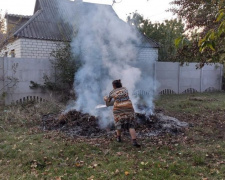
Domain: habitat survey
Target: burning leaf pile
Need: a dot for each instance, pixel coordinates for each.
(75, 123)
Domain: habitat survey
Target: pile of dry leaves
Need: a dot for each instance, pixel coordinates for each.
(75, 123)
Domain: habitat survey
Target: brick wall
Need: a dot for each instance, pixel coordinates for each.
(148, 54)
(31, 48)
(15, 45)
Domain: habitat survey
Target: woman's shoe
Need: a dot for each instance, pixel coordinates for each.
(136, 145)
(118, 139)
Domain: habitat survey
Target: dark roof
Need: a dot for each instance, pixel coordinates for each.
(147, 42)
(14, 22)
(17, 15)
(47, 24)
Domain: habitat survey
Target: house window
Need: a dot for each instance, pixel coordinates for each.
(12, 53)
(6, 54)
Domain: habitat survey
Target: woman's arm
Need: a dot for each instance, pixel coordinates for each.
(107, 99)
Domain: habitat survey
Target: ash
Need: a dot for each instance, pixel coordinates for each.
(76, 124)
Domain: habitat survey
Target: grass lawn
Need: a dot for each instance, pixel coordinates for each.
(27, 152)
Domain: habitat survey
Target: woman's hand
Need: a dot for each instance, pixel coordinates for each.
(106, 98)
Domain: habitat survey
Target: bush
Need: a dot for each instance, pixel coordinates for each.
(65, 65)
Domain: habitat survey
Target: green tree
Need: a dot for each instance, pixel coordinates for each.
(164, 33)
(188, 50)
(215, 38)
(2, 28)
(197, 13)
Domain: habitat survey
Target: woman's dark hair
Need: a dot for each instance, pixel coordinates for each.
(117, 83)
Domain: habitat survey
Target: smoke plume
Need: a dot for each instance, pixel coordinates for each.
(109, 49)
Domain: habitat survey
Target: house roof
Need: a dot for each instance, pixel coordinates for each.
(17, 15)
(47, 24)
(15, 21)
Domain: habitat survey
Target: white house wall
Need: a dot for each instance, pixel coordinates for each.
(31, 48)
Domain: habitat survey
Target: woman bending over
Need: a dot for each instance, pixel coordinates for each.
(123, 111)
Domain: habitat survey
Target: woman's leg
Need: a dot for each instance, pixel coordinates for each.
(133, 137)
(118, 134)
(132, 133)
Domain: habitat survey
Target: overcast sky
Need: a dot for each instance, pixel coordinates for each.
(151, 9)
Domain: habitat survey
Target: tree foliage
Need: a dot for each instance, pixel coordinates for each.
(188, 51)
(215, 38)
(2, 28)
(198, 13)
(164, 33)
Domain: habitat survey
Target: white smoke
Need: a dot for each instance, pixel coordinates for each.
(108, 49)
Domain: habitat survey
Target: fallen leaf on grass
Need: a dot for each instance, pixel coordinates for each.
(127, 173)
(44, 173)
(14, 146)
(91, 178)
(117, 171)
(78, 165)
(144, 164)
(33, 164)
(34, 172)
(95, 165)
(48, 163)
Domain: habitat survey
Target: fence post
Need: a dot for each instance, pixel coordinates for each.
(201, 79)
(2, 79)
(178, 78)
(154, 81)
(221, 77)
